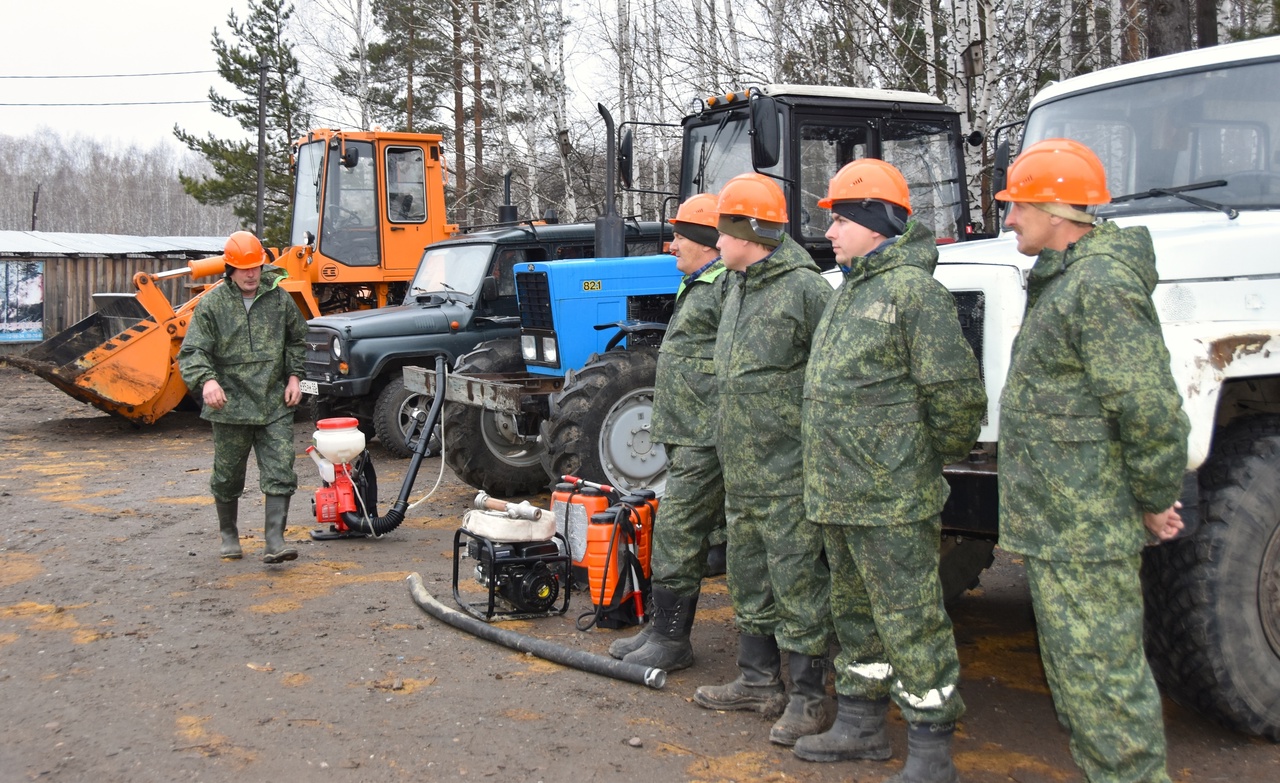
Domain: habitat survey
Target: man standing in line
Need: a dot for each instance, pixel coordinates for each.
(1093, 445)
(691, 515)
(892, 394)
(777, 576)
(244, 353)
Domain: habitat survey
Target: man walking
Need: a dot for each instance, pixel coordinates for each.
(1093, 445)
(243, 354)
(892, 394)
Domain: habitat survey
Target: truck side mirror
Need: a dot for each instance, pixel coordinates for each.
(625, 150)
(488, 289)
(766, 136)
(350, 158)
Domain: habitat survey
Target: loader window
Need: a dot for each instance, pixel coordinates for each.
(306, 192)
(406, 185)
(823, 150)
(925, 153)
(349, 230)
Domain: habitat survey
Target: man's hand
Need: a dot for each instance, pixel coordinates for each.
(1166, 524)
(292, 392)
(213, 395)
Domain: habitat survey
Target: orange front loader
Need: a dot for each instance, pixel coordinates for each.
(365, 205)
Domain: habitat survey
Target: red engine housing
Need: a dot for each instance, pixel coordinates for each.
(333, 500)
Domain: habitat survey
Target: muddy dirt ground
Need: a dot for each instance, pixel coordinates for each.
(130, 652)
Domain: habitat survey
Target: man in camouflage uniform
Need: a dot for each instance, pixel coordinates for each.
(691, 515)
(777, 576)
(892, 393)
(1093, 445)
(244, 351)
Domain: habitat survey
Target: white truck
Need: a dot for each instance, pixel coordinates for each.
(1191, 144)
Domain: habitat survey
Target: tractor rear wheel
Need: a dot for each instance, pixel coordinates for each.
(601, 426)
(493, 451)
(1213, 599)
(960, 561)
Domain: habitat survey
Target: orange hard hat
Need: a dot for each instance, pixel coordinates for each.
(244, 251)
(868, 178)
(1059, 171)
(699, 209)
(753, 195)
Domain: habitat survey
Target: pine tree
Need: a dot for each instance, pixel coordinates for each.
(261, 37)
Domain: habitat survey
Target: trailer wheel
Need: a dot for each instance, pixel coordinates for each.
(1213, 600)
(487, 449)
(960, 561)
(393, 418)
(601, 427)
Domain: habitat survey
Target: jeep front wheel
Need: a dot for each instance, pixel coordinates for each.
(601, 427)
(490, 450)
(393, 418)
(1213, 599)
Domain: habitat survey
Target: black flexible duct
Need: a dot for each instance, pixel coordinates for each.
(577, 659)
(382, 525)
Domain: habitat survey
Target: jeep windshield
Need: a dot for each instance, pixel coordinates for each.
(1190, 141)
(451, 270)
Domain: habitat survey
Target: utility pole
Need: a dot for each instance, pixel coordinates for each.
(262, 142)
(35, 203)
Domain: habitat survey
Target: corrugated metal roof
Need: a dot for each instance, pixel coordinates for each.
(53, 243)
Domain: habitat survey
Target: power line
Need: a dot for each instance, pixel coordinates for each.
(105, 75)
(123, 103)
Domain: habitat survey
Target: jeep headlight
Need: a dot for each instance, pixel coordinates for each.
(549, 353)
(336, 347)
(529, 347)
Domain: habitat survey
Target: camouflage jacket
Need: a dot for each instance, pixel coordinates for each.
(762, 346)
(684, 402)
(251, 353)
(1092, 431)
(892, 392)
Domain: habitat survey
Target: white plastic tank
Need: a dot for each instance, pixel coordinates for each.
(339, 440)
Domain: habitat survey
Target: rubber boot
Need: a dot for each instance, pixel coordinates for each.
(668, 645)
(717, 560)
(228, 515)
(277, 517)
(858, 733)
(807, 711)
(759, 684)
(928, 755)
(621, 648)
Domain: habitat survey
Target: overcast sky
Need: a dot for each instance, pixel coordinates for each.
(92, 38)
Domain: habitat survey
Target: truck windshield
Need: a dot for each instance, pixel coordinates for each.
(452, 269)
(1211, 130)
(717, 151)
(306, 193)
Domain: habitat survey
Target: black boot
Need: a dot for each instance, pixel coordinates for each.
(928, 755)
(807, 712)
(759, 684)
(228, 515)
(621, 648)
(277, 518)
(858, 733)
(717, 560)
(668, 645)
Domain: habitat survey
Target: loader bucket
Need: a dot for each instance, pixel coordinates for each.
(119, 359)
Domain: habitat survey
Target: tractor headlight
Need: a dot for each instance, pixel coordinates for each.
(549, 352)
(529, 347)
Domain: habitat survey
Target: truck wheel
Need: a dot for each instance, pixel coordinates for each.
(485, 448)
(1213, 600)
(393, 420)
(960, 561)
(601, 427)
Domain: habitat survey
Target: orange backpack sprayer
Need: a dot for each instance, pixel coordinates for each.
(616, 551)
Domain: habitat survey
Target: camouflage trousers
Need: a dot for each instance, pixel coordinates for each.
(886, 602)
(1089, 619)
(272, 445)
(777, 575)
(690, 518)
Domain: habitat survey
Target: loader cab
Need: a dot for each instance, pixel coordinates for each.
(367, 200)
(802, 135)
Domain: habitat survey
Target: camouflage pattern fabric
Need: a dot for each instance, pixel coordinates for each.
(684, 404)
(777, 576)
(895, 637)
(690, 518)
(1089, 619)
(251, 353)
(762, 347)
(892, 391)
(1092, 431)
(272, 445)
